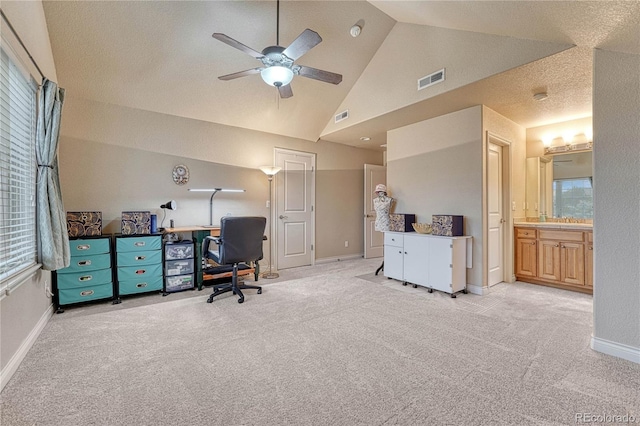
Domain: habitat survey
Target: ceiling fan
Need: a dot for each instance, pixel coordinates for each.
(278, 63)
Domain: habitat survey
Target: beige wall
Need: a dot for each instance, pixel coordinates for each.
(114, 158)
(435, 167)
(25, 311)
(467, 57)
(616, 132)
(438, 167)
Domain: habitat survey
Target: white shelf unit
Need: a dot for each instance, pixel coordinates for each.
(434, 262)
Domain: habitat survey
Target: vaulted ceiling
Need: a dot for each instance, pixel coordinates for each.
(159, 56)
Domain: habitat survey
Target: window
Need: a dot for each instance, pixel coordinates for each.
(573, 198)
(18, 248)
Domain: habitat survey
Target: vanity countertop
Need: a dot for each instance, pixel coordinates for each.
(554, 225)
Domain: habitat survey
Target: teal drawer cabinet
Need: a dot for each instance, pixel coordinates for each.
(138, 264)
(89, 275)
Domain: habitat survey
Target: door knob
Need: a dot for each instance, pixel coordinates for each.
(283, 217)
(502, 221)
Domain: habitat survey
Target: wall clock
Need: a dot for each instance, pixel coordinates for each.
(180, 174)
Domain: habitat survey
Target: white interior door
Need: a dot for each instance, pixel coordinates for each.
(495, 213)
(373, 240)
(294, 220)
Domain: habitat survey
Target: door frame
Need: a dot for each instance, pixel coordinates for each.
(274, 205)
(507, 235)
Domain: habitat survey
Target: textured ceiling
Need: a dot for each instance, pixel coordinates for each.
(160, 56)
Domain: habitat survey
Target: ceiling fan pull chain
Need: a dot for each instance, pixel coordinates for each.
(278, 23)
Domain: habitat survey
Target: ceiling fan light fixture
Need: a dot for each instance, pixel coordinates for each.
(277, 75)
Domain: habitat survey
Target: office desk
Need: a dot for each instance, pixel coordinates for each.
(198, 233)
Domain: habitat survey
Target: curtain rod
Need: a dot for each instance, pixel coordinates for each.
(21, 43)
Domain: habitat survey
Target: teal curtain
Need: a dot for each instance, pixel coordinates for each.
(53, 240)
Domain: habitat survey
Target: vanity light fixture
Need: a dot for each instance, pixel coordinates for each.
(570, 141)
(215, 191)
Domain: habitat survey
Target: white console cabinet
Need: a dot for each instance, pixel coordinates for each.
(438, 263)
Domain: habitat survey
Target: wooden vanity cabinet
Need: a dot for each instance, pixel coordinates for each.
(588, 260)
(563, 257)
(526, 252)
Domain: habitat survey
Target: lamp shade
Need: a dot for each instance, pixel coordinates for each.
(277, 76)
(270, 170)
(171, 205)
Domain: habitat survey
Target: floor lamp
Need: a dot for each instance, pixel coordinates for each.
(270, 171)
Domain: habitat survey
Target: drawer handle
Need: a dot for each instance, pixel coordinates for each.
(533, 243)
(83, 246)
(590, 248)
(84, 263)
(141, 271)
(141, 285)
(86, 293)
(85, 278)
(557, 245)
(140, 257)
(139, 244)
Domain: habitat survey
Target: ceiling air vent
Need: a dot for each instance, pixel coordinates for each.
(431, 79)
(342, 116)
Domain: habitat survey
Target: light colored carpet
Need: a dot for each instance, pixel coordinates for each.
(326, 345)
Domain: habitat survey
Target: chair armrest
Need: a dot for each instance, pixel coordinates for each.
(208, 240)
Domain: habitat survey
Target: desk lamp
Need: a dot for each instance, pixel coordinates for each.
(214, 192)
(171, 205)
(270, 171)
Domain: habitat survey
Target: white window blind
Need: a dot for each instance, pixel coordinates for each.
(18, 248)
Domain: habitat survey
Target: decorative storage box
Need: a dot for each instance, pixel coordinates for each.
(82, 224)
(178, 250)
(401, 222)
(136, 223)
(447, 225)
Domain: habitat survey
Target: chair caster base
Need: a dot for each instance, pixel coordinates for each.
(259, 291)
(241, 300)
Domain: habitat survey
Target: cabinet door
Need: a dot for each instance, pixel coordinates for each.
(572, 263)
(526, 257)
(588, 266)
(549, 260)
(441, 264)
(393, 262)
(416, 254)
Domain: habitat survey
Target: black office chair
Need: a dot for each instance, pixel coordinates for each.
(240, 242)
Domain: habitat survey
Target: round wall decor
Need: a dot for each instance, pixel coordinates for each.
(180, 174)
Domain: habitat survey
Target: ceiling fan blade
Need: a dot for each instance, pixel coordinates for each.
(235, 43)
(316, 74)
(285, 91)
(241, 74)
(301, 45)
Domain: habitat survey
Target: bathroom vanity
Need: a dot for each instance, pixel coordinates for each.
(555, 254)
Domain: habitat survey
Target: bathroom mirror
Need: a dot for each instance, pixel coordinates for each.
(560, 185)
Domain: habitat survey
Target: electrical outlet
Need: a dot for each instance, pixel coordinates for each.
(346, 243)
(268, 204)
(513, 206)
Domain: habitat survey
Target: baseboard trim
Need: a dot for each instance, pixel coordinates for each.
(338, 258)
(12, 366)
(476, 289)
(616, 349)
